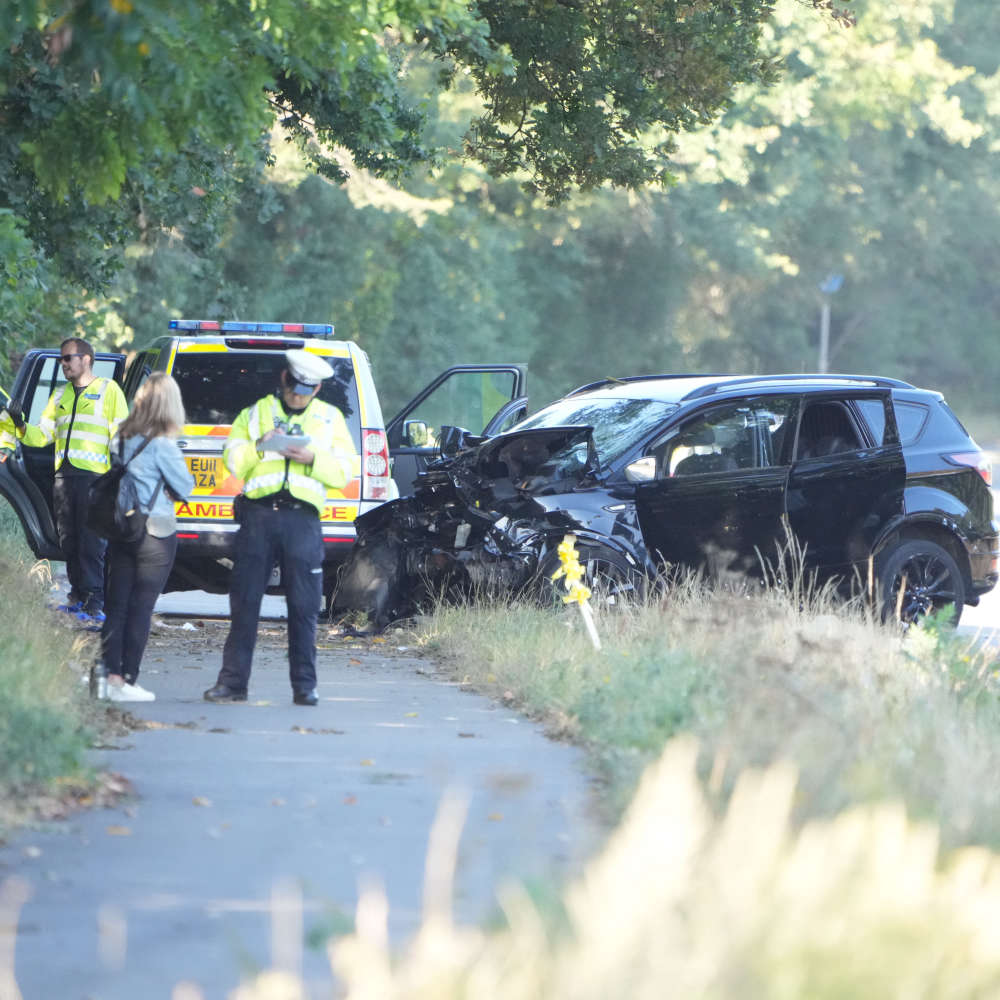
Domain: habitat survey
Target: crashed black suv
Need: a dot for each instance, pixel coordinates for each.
(710, 470)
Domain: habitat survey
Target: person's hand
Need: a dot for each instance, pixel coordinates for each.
(16, 414)
(262, 440)
(297, 453)
(5, 453)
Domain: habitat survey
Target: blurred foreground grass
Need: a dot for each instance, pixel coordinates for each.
(684, 903)
(45, 712)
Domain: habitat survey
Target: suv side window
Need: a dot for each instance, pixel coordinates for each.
(826, 428)
(880, 418)
(465, 399)
(748, 434)
(873, 410)
(910, 418)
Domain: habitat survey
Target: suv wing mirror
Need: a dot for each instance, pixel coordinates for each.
(642, 470)
(416, 434)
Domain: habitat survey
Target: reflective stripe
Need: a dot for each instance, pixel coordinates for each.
(253, 424)
(98, 438)
(94, 419)
(268, 482)
(305, 483)
(87, 456)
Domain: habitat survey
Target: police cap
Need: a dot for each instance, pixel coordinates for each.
(306, 370)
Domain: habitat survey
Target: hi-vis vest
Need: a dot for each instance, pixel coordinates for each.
(8, 435)
(81, 425)
(331, 444)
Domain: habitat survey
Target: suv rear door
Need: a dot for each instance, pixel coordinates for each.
(847, 478)
(481, 398)
(26, 478)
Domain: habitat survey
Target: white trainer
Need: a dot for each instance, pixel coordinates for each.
(129, 692)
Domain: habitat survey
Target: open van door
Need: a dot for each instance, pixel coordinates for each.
(484, 399)
(27, 476)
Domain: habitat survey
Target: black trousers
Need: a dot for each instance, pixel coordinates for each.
(83, 549)
(291, 538)
(136, 575)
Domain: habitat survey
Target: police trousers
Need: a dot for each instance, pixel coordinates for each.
(290, 537)
(83, 549)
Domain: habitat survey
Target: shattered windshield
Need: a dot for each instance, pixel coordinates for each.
(618, 423)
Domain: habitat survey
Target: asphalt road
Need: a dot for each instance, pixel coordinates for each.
(241, 809)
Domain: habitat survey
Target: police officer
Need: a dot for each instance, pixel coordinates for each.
(81, 419)
(283, 496)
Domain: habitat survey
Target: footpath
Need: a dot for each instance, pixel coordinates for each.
(252, 828)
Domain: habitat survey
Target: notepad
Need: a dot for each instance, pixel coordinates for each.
(279, 442)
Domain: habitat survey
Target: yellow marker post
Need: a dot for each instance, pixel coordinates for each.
(577, 591)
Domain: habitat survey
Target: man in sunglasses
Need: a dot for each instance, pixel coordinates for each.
(81, 419)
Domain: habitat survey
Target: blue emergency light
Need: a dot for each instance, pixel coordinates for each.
(324, 330)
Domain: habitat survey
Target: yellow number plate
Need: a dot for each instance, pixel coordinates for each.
(208, 472)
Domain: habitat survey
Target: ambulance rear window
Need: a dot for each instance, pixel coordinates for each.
(215, 387)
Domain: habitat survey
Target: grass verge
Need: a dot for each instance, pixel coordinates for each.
(862, 712)
(47, 720)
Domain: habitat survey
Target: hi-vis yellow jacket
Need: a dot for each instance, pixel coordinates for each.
(81, 425)
(8, 434)
(331, 444)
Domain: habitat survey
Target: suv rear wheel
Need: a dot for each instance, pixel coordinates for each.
(918, 577)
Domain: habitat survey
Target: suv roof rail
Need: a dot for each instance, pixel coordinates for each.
(731, 380)
(194, 327)
(642, 378)
(881, 381)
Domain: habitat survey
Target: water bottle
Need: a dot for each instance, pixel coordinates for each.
(98, 681)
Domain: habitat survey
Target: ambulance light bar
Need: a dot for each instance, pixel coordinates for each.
(322, 330)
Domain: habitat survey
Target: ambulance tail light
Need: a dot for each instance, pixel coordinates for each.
(375, 477)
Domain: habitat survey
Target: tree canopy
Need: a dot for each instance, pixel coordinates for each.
(871, 158)
(124, 114)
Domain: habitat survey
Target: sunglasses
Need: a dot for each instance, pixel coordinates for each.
(66, 358)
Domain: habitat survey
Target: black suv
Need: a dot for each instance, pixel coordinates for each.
(698, 470)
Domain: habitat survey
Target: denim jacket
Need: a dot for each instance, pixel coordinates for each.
(160, 459)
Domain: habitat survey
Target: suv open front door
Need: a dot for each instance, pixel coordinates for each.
(483, 399)
(26, 477)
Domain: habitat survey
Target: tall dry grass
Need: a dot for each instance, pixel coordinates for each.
(756, 676)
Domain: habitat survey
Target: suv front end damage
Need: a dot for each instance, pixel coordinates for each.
(484, 523)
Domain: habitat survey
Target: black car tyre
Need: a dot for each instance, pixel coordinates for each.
(612, 579)
(370, 582)
(918, 577)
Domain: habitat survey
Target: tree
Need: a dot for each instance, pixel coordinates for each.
(119, 116)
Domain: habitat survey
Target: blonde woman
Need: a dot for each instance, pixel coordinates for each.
(137, 571)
